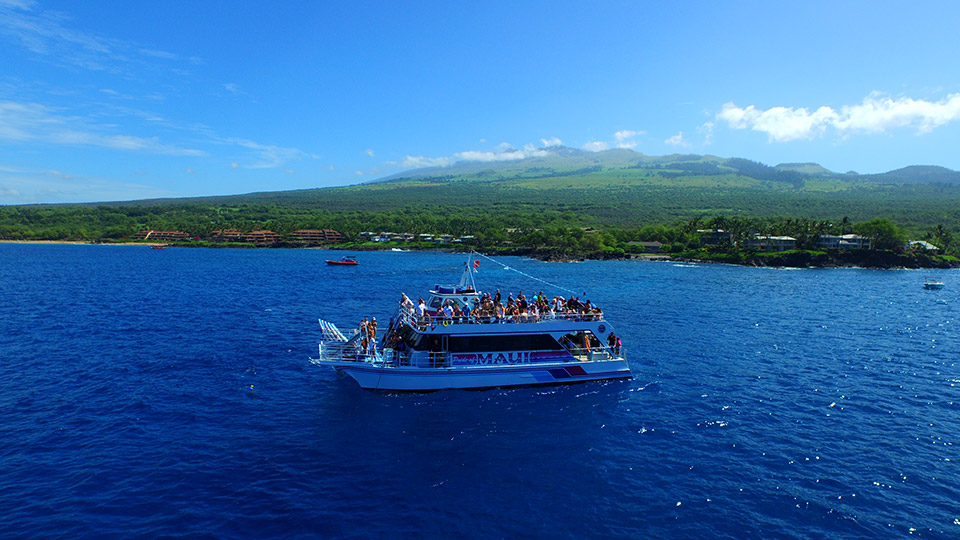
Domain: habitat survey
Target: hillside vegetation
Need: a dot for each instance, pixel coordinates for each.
(619, 192)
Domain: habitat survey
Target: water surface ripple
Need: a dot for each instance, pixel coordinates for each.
(152, 393)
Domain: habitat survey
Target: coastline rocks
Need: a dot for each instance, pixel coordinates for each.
(859, 258)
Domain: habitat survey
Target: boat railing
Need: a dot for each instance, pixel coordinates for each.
(432, 321)
(446, 359)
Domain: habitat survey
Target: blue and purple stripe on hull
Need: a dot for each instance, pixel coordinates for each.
(393, 378)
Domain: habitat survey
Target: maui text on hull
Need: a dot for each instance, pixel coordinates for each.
(462, 338)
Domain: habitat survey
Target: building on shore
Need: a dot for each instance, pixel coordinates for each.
(317, 236)
(647, 247)
(226, 235)
(771, 243)
(921, 245)
(263, 237)
(714, 237)
(846, 241)
(160, 236)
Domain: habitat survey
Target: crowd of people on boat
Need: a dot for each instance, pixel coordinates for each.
(493, 309)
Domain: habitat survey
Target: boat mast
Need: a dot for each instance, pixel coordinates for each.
(466, 279)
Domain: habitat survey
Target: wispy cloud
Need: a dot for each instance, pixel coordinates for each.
(50, 35)
(266, 156)
(33, 122)
(26, 186)
(596, 146)
(707, 131)
(876, 114)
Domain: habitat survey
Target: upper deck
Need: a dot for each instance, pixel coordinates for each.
(508, 324)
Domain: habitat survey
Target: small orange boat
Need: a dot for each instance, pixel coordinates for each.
(349, 260)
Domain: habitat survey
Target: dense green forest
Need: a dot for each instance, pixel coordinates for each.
(576, 203)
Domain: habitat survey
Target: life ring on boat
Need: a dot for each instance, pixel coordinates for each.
(446, 322)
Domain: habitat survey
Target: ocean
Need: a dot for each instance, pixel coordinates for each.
(168, 393)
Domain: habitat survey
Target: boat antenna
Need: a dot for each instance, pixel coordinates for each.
(535, 278)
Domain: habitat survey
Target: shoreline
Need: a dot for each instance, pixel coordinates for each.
(871, 259)
(83, 242)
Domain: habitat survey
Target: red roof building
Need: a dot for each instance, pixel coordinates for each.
(262, 237)
(317, 235)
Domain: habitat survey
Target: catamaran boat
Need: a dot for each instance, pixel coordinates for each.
(428, 349)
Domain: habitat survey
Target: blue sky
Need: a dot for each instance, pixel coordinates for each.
(119, 100)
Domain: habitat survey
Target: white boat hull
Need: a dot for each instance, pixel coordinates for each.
(377, 377)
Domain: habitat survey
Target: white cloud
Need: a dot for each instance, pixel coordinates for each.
(369, 152)
(876, 114)
(416, 162)
(677, 140)
(625, 137)
(596, 146)
(233, 88)
(504, 152)
(552, 141)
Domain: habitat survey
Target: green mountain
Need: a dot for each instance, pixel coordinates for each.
(616, 189)
(918, 174)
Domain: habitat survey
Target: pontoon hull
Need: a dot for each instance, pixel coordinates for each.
(375, 377)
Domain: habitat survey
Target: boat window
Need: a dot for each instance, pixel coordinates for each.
(435, 302)
(411, 338)
(577, 340)
(524, 342)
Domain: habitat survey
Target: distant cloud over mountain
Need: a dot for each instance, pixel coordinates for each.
(876, 114)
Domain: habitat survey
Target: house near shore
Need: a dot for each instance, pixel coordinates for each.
(647, 247)
(846, 241)
(714, 237)
(771, 243)
(921, 245)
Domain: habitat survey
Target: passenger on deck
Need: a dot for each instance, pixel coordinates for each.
(364, 334)
(406, 304)
(423, 316)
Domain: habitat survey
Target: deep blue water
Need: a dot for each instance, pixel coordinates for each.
(150, 393)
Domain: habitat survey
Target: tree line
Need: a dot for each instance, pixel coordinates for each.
(491, 225)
